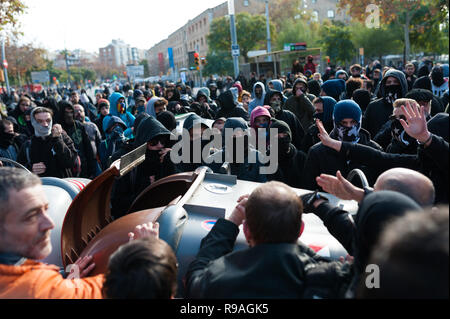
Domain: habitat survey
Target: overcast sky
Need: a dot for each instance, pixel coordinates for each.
(92, 24)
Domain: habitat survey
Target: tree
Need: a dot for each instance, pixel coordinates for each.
(144, 62)
(377, 42)
(298, 31)
(9, 10)
(250, 29)
(218, 63)
(405, 13)
(337, 42)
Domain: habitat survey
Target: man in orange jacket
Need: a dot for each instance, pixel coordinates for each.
(25, 237)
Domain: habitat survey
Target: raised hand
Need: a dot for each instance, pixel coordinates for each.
(340, 187)
(416, 123)
(145, 230)
(326, 139)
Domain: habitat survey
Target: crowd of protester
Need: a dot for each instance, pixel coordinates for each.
(391, 124)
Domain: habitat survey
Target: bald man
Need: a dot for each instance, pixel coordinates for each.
(406, 181)
(339, 222)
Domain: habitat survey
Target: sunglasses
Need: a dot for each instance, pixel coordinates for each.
(156, 141)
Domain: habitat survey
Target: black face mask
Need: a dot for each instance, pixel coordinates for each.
(284, 146)
(319, 116)
(6, 139)
(235, 148)
(398, 133)
(392, 93)
(68, 119)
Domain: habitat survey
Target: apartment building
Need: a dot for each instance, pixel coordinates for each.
(116, 54)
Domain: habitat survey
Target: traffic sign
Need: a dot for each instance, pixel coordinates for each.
(5, 63)
(235, 51)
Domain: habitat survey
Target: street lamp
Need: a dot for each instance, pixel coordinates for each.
(269, 41)
(234, 46)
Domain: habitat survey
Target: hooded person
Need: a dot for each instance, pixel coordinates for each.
(258, 95)
(314, 87)
(310, 66)
(260, 120)
(277, 85)
(238, 85)
(126, 189)
(362, 97)
(167, 119)
(54, 149)
(376, 211)
(229, 106)
(207, 105)
(23, 108)
(393, 86)
(247, 170)
(424, 83)
(275, 100)
(172, 94)
(438, 83)
(347, 117)
(300, 104)
(79, 135)
(342, 74)
(114, 131)
(118, 108)
(324, 106)
(9, 147)
(290, 160)
(333, 88)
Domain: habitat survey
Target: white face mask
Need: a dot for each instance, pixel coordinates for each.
(40, 130)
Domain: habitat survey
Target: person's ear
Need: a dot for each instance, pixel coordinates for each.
(247, 233)
(302, 228)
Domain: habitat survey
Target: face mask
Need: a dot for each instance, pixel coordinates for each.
(121, 107)
(348, 134)
(276, 106)
(141, 109)
(399, 134)
(262, 125)
(319, 116)
(284, 145)
(116, 133)
(236, 150)
(7, 138)
(68, 118)
(41, 131)
(393, 92)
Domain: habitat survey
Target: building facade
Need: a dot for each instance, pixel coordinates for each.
(116, 54)
(193, 35)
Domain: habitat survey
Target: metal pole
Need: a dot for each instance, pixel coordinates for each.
(5, 70)
(233, 36)
(269, 41)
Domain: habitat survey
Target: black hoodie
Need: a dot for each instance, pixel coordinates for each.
(290, 160)
(289, 118)
(229, 107)
(127, 188)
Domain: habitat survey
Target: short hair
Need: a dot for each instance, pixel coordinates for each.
(400, 102)
(4, 123)
(41, 109)
(409, 64)
(23, 99)
(161, 102)
(412, 256)
(16, 179)
(352, 85)
(355, 66)
(244, 92)
(142, 269)
(274, 214)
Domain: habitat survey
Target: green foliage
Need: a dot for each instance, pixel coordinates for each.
(250, 29)
(336, 41)
(377, 42)
(298, 30)
(218, 63)
(146, 68)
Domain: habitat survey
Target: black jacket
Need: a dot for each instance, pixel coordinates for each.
(263, 271)
(290, 168)
(324, 160)
(57, 153)
(128, 187)
(229, 107)
(431, 161)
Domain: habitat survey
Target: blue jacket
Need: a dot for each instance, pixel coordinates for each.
(126, 117)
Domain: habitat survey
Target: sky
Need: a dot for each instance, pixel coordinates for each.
(92, 24)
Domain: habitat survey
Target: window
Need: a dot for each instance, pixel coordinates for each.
(245, 3)
(313, 1)
(202, 41)
(330, 14)
(315, 15)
